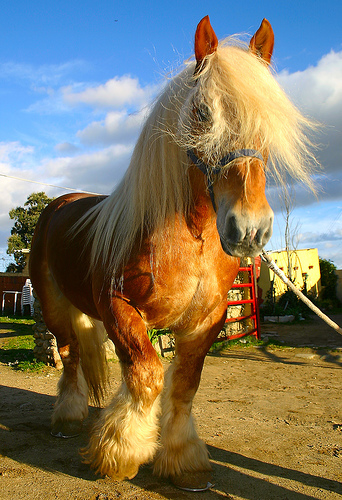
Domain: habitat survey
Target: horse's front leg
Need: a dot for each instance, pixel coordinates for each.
(126, 434)
(183, 456)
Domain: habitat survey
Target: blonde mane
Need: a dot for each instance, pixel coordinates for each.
(245, 105)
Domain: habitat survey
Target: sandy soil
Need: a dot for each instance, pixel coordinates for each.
(271, 417)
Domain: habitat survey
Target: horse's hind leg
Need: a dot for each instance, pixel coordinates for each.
(183, 456)
(126, 433)
(71, 407)
(85, 372)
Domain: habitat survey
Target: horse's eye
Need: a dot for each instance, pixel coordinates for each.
(203, 113)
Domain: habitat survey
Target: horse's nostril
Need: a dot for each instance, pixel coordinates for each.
(233, 231)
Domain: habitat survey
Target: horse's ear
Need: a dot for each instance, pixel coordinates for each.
(205, 41)
(262, 42)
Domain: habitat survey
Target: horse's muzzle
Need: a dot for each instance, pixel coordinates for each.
(241, 236)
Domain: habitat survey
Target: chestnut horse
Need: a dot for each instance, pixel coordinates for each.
(162, 251)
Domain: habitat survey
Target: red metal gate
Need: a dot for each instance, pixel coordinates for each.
(252, 291)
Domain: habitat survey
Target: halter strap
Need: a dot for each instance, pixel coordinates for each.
(206, 169)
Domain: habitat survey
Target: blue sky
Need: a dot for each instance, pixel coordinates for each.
(76, 77)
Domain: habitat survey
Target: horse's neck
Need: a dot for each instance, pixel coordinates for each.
(201, 215)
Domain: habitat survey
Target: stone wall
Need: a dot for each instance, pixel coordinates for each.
(45, 349)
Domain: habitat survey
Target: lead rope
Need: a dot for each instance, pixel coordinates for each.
(273, 266)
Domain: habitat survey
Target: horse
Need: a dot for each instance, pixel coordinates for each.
(162, 251)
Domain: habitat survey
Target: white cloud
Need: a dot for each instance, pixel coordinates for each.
(318, 92)
(117, 127)
(15, 160)
(40, 76)
(53, 104)
(115, 93)
(15, 152)
(97, 171)
(318, 237)
(66, 148)
(317, 88)
(328, 188)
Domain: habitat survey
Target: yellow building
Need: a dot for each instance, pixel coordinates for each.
(304, 271)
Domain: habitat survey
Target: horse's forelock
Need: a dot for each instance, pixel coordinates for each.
(248, 107)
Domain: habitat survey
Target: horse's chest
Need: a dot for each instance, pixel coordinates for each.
(182, 284)
(183, 299)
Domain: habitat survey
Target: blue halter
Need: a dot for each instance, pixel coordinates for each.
(206, 169)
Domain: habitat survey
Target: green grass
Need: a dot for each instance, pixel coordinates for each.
(19, 326)
(154, 334)
(17, 321)
(17, 351)
(245, 342)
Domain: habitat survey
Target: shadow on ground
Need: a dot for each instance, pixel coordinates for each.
(25, 438)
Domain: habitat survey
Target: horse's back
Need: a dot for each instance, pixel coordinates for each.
(66, 209)
(58, 257)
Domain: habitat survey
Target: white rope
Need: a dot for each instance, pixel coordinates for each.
(50, 185)
(273, 266)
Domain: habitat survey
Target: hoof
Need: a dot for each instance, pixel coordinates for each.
(105, 465)
(66, 429)
(121, 476)
(193, 481)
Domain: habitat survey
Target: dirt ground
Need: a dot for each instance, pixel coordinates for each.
(271, 417)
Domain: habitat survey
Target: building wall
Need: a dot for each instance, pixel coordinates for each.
(13, 282)
(305, 268)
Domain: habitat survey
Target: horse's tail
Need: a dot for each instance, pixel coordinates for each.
(91, 336)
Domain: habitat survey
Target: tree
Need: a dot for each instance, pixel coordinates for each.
(26, 218)
(329, 280)
(291, 231)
